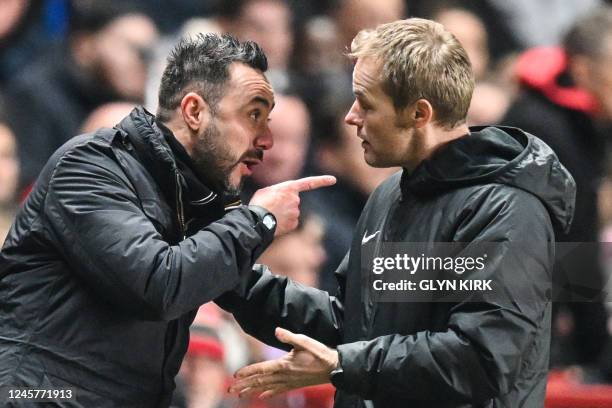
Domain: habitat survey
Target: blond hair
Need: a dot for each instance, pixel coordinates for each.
(420, 60)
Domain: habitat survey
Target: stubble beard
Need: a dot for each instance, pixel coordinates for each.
(215, 162)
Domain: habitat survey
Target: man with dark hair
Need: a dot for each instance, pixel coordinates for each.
(189, 64)
(503, 187)
(129, 230)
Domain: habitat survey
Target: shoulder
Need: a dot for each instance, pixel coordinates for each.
(92, 154)
(496, 197)
(506, 207)
(94, 148)
(81, 165)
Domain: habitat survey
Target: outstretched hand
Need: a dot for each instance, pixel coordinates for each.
(283, 199)
(309, 363)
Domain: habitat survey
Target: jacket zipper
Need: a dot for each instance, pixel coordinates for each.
(179, 205)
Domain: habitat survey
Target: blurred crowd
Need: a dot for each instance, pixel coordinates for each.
(71, 66)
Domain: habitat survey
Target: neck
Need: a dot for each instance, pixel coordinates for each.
(181, 133)
(430, 139)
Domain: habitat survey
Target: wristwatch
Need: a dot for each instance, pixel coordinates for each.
(264, 216)
(337, 376)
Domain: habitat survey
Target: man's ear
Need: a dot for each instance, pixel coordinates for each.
(416, 115)
(195, 111)
(422, 113)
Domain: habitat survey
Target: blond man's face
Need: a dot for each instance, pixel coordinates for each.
(385, 143)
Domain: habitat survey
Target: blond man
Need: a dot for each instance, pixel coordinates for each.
(472, 347)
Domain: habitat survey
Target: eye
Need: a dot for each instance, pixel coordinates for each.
(364, 107)
(255, 115)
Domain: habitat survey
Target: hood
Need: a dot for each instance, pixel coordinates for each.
(500, 155)
(544, 70)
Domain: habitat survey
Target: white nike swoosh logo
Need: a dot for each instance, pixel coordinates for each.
(367, 237)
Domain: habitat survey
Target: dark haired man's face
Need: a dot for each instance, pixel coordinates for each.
(235, 139)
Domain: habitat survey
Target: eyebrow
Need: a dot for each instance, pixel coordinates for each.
(360, 94)
(262, 100)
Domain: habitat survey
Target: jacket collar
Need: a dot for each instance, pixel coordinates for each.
(170, 165)
(497, 155)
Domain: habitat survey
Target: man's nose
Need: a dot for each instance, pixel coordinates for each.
(353, 117)
(265, 140)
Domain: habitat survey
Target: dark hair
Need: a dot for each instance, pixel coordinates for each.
(588, 35)
(201, 64)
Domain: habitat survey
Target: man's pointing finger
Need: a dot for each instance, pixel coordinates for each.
(312, 183)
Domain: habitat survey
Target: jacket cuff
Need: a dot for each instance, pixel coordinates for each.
(259, 221)
(355, 378)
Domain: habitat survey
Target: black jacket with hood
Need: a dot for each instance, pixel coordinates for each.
(98, 286)
(497, 185)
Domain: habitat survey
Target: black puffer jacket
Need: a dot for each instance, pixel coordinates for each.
(97, 285)
(497, 185)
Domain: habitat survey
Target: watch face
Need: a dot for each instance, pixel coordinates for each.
(337, 377)
(269, 221)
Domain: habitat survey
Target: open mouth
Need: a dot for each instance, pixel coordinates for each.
(251, 163)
